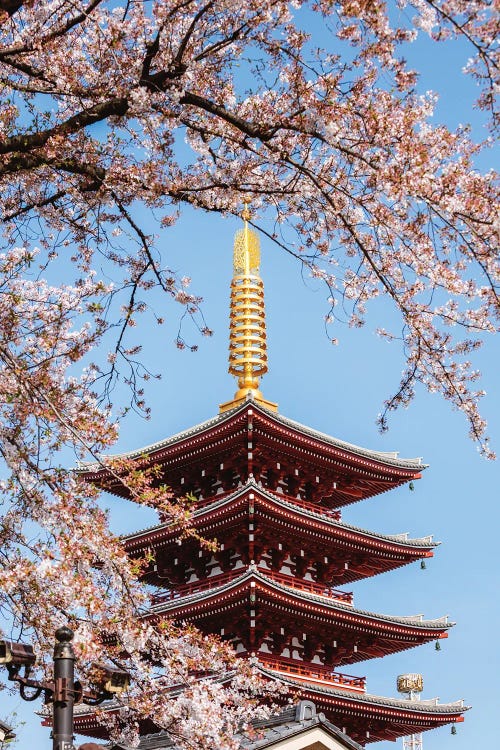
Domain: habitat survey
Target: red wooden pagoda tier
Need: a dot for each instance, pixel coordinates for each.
(320, 546)
(284, 456)
(269, 615)
(269, 491)
(372, 718)
(365, 718)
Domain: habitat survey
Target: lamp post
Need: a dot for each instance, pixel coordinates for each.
(63, 697)
(64, 691)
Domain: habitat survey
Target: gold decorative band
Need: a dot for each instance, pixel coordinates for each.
(247, 337)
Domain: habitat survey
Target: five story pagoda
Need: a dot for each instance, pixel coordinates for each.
(271, 491)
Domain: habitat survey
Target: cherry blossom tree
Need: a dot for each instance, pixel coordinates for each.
(105, 107)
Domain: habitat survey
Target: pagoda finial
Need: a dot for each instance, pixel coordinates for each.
(247, 327)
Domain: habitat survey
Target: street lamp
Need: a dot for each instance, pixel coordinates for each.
(106, 682)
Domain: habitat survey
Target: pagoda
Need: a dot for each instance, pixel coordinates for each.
(271, 492)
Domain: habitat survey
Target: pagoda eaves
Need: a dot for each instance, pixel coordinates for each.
(358, 553)
(373, 718)
(366, 718)
(324, 628)
(251, 440)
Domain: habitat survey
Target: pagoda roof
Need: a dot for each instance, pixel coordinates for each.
(423, 706)
(154, 534)
(253, 574)
(401, 469)
(291, 723)
(394, 712)
(294, 721)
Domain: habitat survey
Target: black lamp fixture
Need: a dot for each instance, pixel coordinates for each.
(106, 681)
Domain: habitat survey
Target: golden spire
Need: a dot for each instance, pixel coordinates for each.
(247, 327)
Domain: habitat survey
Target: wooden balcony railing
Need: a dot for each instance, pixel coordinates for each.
(312, 672)
(336, 515)
(314, 588)
(331, 513)
(206, 584)
(196, 587)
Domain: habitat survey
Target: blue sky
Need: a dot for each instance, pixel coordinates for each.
(340, 390)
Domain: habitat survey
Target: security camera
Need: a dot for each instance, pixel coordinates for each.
(109, 679)
(16, 654)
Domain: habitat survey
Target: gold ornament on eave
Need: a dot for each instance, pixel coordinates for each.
(247, 325)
